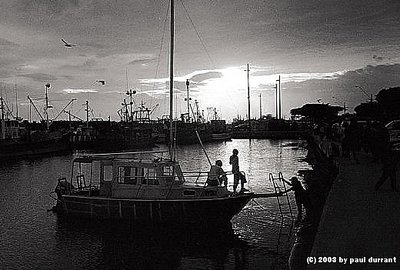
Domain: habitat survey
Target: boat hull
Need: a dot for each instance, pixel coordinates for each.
(200, 211)
(22, 149)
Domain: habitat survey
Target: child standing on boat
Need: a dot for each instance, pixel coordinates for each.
(237, 175)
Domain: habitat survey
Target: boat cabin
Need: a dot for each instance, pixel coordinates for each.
(135, 177)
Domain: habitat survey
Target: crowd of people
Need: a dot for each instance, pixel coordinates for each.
(353, 137)
(368, 136)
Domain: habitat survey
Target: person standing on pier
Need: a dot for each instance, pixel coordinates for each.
(352, 138)
(237, 175)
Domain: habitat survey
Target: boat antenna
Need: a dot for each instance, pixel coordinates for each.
(171, 81)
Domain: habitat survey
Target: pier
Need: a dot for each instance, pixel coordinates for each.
(359, 226)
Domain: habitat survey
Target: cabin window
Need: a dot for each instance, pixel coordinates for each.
(150, 177)
(168, 170)
(168, 174)
(107, 173)
(189, 192)
(129, 175)
(149, 173)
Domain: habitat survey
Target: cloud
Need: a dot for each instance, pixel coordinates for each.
(48, 5)
(39, 77)
(79, 91)
(342, 88)
(142, 60)
(377, 58)
(7, 43)
(206, 76)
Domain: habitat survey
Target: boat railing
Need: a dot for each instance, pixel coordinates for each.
(124, 155)
(200, 177)
(197, 177)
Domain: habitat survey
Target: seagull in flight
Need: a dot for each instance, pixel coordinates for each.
(66, 44)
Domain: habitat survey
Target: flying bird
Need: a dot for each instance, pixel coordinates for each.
(68, 45)
(102, 82)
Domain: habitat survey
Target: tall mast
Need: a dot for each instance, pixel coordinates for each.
(248, 96)
(171, 80)
(279, 97)
(276, 100)
(47, 106)
(188, 100)
(87, 113)
(16, 101)
(260, 107)
(248, 92)
(3, 124)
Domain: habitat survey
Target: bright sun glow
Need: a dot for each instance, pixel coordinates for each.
(228, 92)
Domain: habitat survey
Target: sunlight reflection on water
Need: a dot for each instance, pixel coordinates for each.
(31, 238)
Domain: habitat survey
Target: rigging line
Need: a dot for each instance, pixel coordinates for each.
(198, 34)
(161, 46)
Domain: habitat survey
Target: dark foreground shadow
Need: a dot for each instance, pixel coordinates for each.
(113, 245)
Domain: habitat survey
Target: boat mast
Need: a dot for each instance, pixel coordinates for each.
(171, 81)
(276, 100)
(47, 106)
(87, 113)
(279, 96)
(188, 100)
(16, 101)
(248, 95)
(3, 125)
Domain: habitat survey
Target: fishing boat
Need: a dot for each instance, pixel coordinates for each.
(23, 139)
(145, 186)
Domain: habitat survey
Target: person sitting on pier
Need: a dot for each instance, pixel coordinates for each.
(237, 175)
(300, 195)
(216, 175)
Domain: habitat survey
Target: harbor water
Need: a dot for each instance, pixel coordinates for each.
(33, 238)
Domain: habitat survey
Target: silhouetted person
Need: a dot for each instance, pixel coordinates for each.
(352, 138)
(300, 195)
(377, 138)
(237, 175)
(389, 159)
(216, 175)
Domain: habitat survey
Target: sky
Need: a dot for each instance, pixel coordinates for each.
(330, 51)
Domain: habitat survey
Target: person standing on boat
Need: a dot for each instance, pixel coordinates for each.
(216, 175)
(237, 175)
